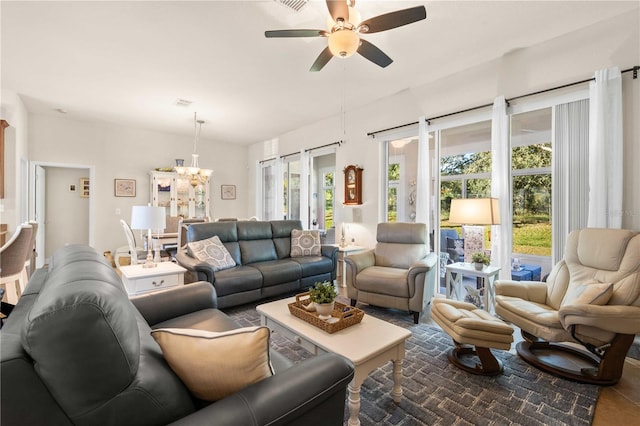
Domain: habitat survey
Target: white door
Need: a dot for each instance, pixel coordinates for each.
(39, 215)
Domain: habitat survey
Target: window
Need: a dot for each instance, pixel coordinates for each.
(402, 171)
(268, 190)
(328, 188)
(291, 190)
(531, 182)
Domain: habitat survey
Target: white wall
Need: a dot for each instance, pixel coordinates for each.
(129, 153)
(572, 57)
(16, 152)
(67, 212)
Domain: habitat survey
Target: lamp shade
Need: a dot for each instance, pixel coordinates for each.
(343, 43)
(148, 217)
(475, 211)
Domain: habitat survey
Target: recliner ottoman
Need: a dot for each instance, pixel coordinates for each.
(474, 331)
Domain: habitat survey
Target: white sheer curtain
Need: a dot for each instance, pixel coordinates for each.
(279, 188)
(304, 188)
(423, 187)
(605, 149)
(501, 236)
(570, 183)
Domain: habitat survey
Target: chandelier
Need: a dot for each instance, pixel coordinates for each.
(194, 173)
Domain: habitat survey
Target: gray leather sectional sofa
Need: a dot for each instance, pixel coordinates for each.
(261, 250)
(76, 351)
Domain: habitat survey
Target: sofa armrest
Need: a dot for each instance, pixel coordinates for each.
(612, 318)
(331, 252)
(311, 393)
(159, 306)
(532, 291)
(202, 270)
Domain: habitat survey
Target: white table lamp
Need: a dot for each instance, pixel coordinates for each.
(149, 218)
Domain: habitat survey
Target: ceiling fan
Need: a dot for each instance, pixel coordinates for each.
(345, 30)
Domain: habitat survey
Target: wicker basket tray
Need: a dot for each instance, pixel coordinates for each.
(346, 315)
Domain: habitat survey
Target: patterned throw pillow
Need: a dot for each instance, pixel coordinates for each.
(305, 243)
(212, 364)
(213, 252)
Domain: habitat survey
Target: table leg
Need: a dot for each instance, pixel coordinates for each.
(354, 403)
(396, 392)
(447, 280)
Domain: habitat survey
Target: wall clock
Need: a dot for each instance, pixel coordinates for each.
(352, 185)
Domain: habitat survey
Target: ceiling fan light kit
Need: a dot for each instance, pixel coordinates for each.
(345, 28)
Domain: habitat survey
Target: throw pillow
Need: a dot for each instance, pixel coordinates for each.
(213, 252)
(305, 243)
(589, 293)
(214, 365)
(456, 244)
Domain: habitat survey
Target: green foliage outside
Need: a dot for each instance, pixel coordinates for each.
(531, 194)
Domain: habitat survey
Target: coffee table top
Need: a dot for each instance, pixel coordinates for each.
(358, 343)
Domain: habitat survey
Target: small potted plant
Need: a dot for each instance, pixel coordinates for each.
(323, 294)
(480, 260)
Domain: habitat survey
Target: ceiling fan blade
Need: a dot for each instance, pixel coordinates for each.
(393, 20)
(322, 59)
(295, 33)
(338, 9)
(374, 54)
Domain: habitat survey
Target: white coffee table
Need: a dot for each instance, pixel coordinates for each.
(369, 344)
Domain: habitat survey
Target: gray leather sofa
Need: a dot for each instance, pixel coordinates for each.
(76, 351)
(261, 250)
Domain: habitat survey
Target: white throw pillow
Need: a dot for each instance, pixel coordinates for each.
(305, 243)
(213, 252)
(589, 293)
(212, 364)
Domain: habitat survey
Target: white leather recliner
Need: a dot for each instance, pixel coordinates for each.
(591, 297)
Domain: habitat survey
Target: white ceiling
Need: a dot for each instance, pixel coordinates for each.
(127, 62)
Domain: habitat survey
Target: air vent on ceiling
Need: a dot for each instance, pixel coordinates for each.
(293, 4)
(182, 102)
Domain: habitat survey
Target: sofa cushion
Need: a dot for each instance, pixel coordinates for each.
(212, 251)
(237, 280)
(314, 265)
(214, 365)
(257, 251)
(457, 245)
(83, 318)
(278, 271)
(281, 231)
(305, 243)
(589, 293)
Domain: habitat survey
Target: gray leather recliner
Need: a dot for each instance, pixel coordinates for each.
(399, 272)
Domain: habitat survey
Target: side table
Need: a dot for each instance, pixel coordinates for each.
(453, 280)
(138, 279)
(342, 267)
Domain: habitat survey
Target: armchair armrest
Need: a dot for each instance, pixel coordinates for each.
(612, 318)
(159, 306)
(427, 262)
(532, 291)
(203, 270)
(311, 393)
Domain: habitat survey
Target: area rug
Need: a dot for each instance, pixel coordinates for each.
(437, 393)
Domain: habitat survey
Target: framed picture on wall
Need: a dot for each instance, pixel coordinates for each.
(228, 192)
(124, 187)
(84, 187)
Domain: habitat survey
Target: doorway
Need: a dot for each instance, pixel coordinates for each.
(61, 201)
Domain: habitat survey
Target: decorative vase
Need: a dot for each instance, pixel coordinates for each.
(479, 266)
(324, 310)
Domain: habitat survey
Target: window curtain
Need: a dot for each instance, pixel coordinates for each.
(304, 188)
(501, 236)
(570, 183)
(279, 188)
(605, 149)
(423, 188)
